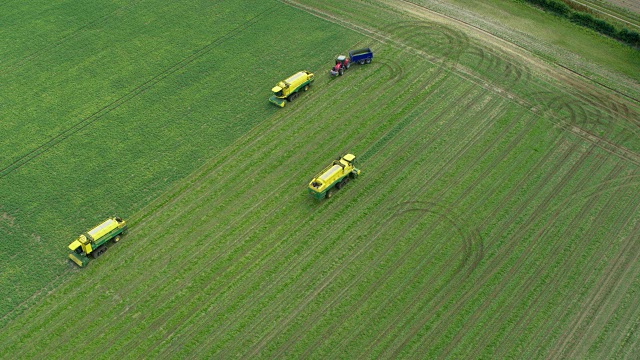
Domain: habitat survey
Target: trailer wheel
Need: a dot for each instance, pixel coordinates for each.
(368, 61)
(361, 62)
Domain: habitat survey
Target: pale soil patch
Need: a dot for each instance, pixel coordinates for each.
(632, 5)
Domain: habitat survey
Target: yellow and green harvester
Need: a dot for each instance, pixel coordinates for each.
(334, 177)
(94, 241)
(289, 88)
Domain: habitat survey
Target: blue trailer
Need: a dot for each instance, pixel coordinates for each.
(360, 56)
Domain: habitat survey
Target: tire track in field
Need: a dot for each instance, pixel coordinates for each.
(394, 111)
(488, 170)
(520, 73)
(568, 233)
(612, 148)
(573, 118)
(26, 158)
(396, 72)
(493, 269)
(39, 50)
(451, 40)
(597, 123)
(508, 196)
(606, 185)
(400, 210)
(478, 254)
(518, 265)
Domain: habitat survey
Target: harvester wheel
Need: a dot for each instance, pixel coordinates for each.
(330, 193)
(339, 185)
(345, 181)
(306, 87)
(292, 96)
(116, 239)
(99, 251)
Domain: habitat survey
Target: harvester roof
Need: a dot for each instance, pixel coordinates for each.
(330, 172)
(103, 229)
(293, 78)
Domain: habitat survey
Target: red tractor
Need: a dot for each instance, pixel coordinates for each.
(342, 64)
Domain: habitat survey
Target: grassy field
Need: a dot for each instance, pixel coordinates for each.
(105, 116)
(497, 214)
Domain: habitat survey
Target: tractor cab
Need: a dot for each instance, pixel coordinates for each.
(343, 60)
(342, 63)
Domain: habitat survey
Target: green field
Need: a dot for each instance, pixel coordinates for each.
(497, 214)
